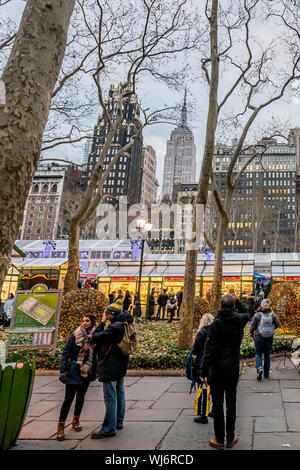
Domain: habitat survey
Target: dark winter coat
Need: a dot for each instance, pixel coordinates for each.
(127, 302)
(198, 349)
(162, 299)
(151, 299)
(221, 357)
(179, 297)
(69, 364)
(112, 363)
(251, 306)
(111, 298)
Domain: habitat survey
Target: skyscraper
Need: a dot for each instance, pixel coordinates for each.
(180, 159)
(125, 177)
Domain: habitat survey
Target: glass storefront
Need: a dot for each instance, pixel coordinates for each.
(10, 285)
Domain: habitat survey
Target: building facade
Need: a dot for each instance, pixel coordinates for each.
(52, 200)
(263, 215)
(180, 159)
(125, 178)
(149, 180)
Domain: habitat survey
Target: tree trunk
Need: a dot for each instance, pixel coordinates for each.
(186, 317)
(185, 337)
(218, 270)
(30, 75)
(71, 279)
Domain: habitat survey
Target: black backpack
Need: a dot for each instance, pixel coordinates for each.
(189, 370)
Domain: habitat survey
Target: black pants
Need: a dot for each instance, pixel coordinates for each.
(71, 391)
(172, 314)
(150, 311)
(218, 389)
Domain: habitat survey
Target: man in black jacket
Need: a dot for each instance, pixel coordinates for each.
(111, 368)
(221, 366)
(162, 300)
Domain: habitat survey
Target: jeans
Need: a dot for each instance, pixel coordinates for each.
(114, 399)
(158, 312)
(263, 346)
(217, 390)
(71, 391)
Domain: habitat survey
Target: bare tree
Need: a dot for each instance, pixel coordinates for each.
(29, 76)
(162, 30)
(260, 80)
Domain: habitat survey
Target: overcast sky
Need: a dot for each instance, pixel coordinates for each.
(157, 136)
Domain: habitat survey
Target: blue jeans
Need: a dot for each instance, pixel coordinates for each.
(114, 399)
(158, 312)
(263, 346)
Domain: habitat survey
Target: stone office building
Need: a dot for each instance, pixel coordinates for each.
(54, 196)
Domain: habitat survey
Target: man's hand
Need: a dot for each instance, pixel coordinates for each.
(203, 379)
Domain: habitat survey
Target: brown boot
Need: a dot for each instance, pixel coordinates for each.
(60, 436)
(232, 443)
(76, 424)
(217, 445)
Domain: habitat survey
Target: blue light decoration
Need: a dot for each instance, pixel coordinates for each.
(135, 244)
(49, 246)
(209, 253)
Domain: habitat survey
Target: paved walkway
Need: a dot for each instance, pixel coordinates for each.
(160, 415)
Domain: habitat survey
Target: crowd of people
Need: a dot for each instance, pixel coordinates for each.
(166, 303)
(93, 351)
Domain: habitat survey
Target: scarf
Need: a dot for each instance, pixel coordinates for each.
(85, 355)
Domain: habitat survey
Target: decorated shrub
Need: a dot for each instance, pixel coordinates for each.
(77, 303)
(201, 307)
(285, 302)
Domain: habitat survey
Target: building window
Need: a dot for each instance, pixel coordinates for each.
(54, 188)
(36, 188)
(45, 188)
(38, 230)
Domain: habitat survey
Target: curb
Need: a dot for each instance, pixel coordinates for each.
(157, 372)
(130, 372)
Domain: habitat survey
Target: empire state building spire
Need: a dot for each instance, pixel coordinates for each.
(183, 121)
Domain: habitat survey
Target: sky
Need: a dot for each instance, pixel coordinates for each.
(154, 94)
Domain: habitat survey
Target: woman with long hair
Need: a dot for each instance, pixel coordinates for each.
(77, 370)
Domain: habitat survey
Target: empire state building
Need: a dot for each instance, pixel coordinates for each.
(180, 159)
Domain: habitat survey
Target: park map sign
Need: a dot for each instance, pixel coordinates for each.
(35, 319)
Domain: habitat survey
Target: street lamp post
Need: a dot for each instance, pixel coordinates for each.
(142, 227)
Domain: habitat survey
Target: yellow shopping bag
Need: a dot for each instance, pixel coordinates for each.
(202, 400)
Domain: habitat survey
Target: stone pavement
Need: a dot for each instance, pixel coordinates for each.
(160, 415)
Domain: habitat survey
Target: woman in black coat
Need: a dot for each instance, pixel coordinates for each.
(197, 351)
(77, 370)
(127, 301)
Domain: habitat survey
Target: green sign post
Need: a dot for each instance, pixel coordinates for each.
(35, 319)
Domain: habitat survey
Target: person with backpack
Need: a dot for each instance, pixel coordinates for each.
(220, 366)
(162, 300)
(112, 364)
(171, 306)
(201, 408)
(263, 326)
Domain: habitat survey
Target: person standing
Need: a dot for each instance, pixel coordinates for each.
(197, 351)
(8, 307)
(111, 297)
(162, 302)
(111, 368)
(171, 306)
(262, 331)
(77, 370)
(151, 303)
(120, 296)
(127, 301)
(221, 366)
(179, 300)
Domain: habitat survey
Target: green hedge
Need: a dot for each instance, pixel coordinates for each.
(157, 348)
